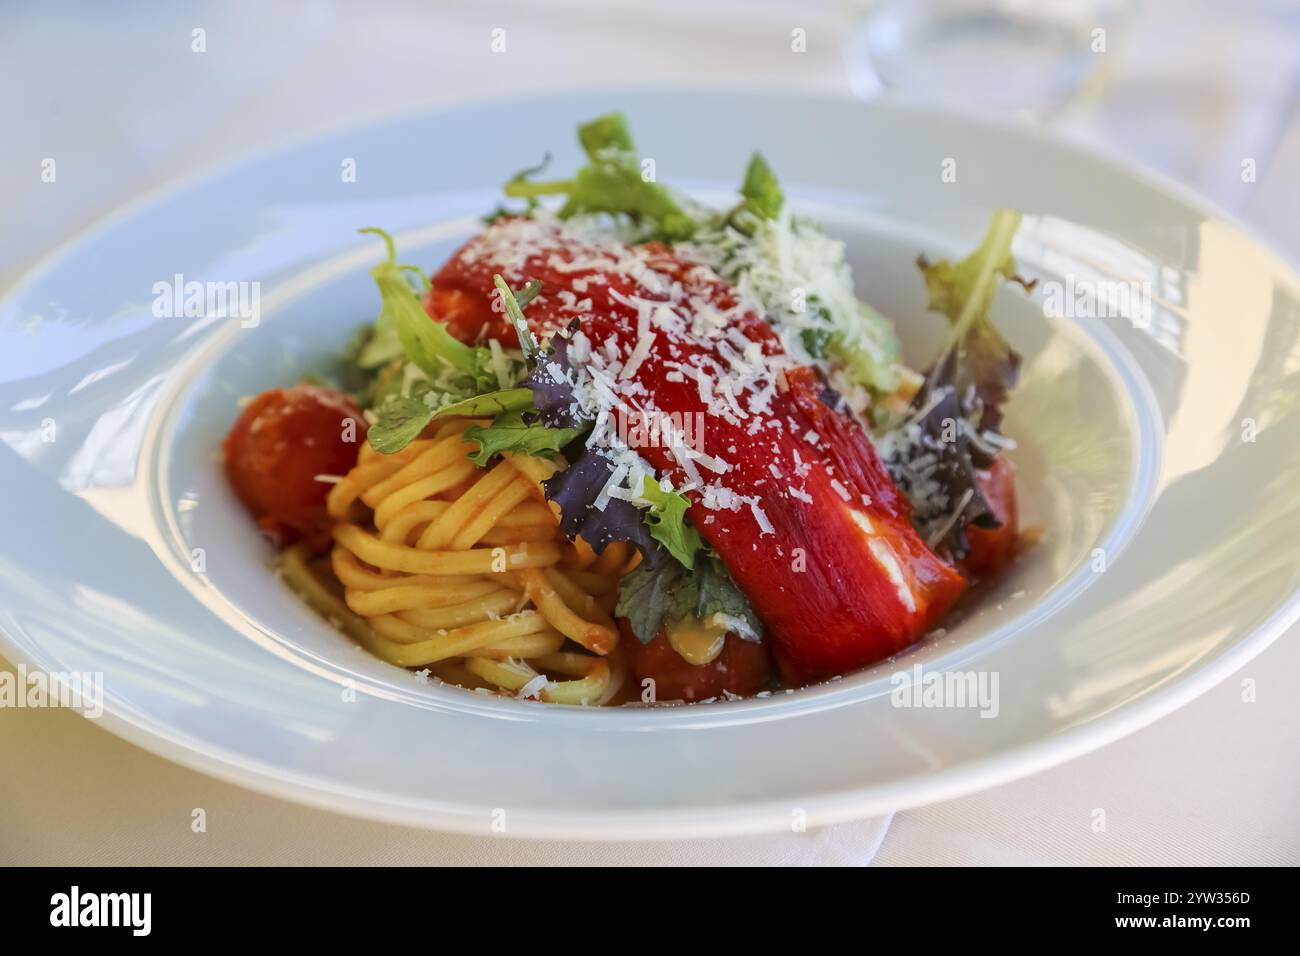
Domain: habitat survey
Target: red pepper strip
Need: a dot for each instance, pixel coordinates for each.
(841, 580)
(992, 549)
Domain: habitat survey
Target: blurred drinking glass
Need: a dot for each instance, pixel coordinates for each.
(1031, 58)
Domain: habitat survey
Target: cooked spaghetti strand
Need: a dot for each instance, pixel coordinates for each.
(442, 565)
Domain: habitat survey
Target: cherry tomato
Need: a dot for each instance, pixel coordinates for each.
(991, 549)
(742, 668)
(468, 315)
(282, 441)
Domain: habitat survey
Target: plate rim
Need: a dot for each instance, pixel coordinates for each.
(668, 823)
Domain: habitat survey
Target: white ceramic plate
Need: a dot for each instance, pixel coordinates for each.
(1134, 453)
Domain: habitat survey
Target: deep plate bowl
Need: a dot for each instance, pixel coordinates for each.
(1157, 454)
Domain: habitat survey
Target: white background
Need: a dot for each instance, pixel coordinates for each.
(115, 94)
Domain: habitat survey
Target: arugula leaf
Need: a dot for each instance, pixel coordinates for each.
(650, 597)
(951, 430)
(425, 342)
(459, 374)
(612, 182)
(762, 192)
(867, 351)
(517, 426)
(401, 419)
(522, 176)
(489, 403)
(666, 519)
(619, 188)
(606, 134)
(517, 431)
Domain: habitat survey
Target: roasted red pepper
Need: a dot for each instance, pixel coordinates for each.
(823, 548)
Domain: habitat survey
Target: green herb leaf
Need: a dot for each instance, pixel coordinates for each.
(425, 342)
(612, 182)
(521, 178)
(489, 403)
(517, 431)
(815, 341)
(646, 595)
(605, 134)
(620, 188)
(666, 519)
(381, 347)
(869, 356)
(531, 290)
(762, 192)
(457, 379)
(718, 594)
(650, 597)
(401, 419)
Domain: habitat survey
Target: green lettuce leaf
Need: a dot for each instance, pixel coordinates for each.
(425, 342)
(489, 403)
(453, 378)
(951, 430)
(382, 346)
(400, 420)
(605, 136)
(517, 431)
(612, 182)
(869, 357)
(666, 519)
(762, 192)
(976, 357)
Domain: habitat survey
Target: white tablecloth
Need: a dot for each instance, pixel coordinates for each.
(116, 95)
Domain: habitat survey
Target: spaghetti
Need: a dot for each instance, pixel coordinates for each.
(439, 564)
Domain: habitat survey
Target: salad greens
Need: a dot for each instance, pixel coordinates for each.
(437, 353)
(763, 195)
(652, 596)
(517, 431)
(613, 181)
(801, 279)
(951, 430)
(666, 518)
(975, 358)
(408, 369)
(443, 376)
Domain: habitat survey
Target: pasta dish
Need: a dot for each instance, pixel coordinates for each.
(623, 448)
